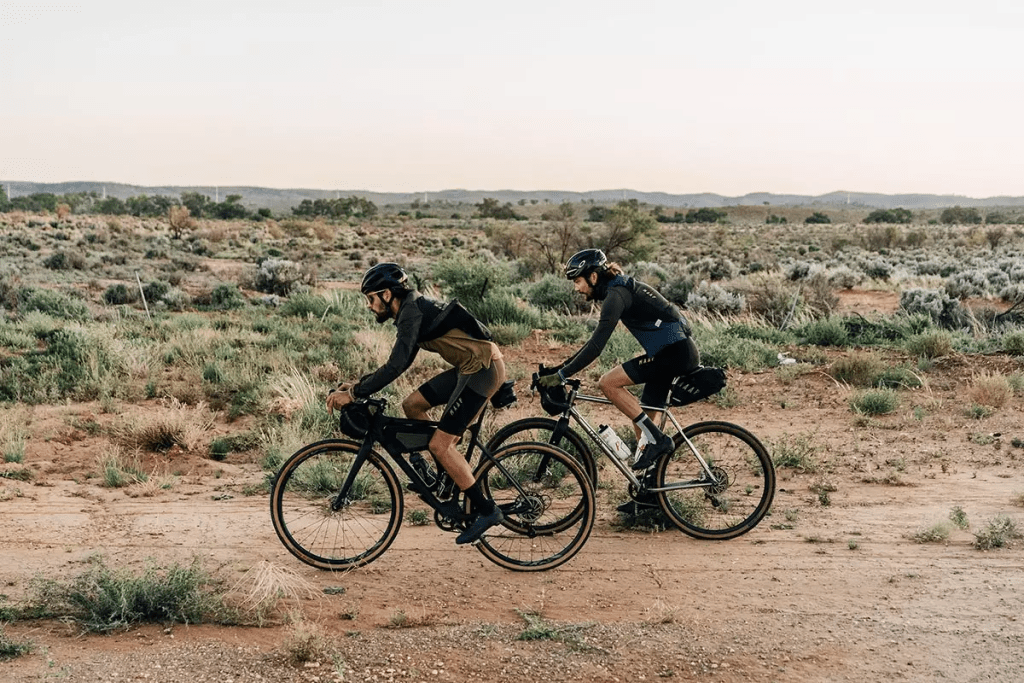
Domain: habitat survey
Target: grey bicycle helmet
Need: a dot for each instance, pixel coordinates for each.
(384, 276)
(585, 262)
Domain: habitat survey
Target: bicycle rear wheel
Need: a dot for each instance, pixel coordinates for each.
(745, 479)
(355, 534)
(542, 429)
(549, 521)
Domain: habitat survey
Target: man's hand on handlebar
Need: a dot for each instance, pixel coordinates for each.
(553, 379)
(340, 397)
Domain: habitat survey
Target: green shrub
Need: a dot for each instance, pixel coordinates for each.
(796, 452)
(226, 297)
(999, 533)
(54, 304)
(825, 332)
(552, 293)
(875, 402)
(119, 295)
(858, 369)
(934, 344)
(1013, 343)
(10, 648)
(103, 599)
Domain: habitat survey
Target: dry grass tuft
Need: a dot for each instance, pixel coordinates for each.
(991, 389)
(176, 425)
(258, 594)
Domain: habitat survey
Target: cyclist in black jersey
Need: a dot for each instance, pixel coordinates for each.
(656, 323)
(477, 372)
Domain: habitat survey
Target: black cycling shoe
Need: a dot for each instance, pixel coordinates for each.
(653, 451)
(647, 501)
(481, 524)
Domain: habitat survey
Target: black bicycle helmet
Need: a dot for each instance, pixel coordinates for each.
(384, 276)
(585, 262)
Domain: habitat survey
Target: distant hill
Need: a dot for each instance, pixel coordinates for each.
(282, 200)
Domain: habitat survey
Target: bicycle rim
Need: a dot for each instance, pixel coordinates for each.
(745, 488)
(355, 534)
(548, 525)
(541, 429)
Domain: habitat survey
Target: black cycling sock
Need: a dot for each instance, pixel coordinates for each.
(643, 421)
(482, 505)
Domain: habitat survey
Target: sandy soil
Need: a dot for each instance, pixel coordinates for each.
(817, 592)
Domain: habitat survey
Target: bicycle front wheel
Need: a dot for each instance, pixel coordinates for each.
(542, 429)
(740, 493)
(548, 502)
(329, 536)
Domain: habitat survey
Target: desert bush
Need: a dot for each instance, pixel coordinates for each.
(824, 332)
(990, 389)
(999, 533)
(119, 295)
(858, 368)
(845, 277)
(960, 215)
(931, 344)
(552, 293)
(11, 648)
(937, 533)
(52, 303)
(722, 349)
(795, 451)
(103, 599)
(1013, 343)
(964, 284)
(817, 218)
(714, 298)
(280, 277)
(875, 402)
(897, 378)
(65, 260)
(943, 310)
(226, 297)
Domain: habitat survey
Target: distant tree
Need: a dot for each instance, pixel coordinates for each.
(628, 231)
(903, 216)
(597, 214)
(337, 208)
(705, 215)
(491, 208)
(180, 220)
(230, 208)
(960, 216)
(775, 220)
(197, 204)
(817, 217)
(111, 206)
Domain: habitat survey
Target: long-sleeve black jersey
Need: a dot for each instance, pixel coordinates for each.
(650, 317)
(419, 320)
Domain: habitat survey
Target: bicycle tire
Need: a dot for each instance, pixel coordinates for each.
(542, 429)
(548, 526)
(352, 536)
(731, 508)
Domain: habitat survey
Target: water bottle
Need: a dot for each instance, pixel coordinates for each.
(609, 436)
(641, 443)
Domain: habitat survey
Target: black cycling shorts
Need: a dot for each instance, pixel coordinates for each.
(657, 372)
(464, 395)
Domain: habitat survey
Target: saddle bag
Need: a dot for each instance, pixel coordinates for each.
(695, 385)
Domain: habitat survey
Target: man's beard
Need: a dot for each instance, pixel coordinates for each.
(385, 316)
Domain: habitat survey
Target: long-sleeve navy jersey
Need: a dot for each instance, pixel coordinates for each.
(650, 317)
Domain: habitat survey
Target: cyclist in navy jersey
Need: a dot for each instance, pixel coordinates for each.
(656, 323)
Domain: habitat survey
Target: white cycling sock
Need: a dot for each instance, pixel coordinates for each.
(643, 421)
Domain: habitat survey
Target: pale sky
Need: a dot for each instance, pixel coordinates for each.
(730, 97)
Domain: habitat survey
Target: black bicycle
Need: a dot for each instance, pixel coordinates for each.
(717, 483)
(338, 504)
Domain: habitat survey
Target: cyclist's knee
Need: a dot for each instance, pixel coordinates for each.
(415, 406)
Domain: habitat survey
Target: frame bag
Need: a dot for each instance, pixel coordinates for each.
(696, 385)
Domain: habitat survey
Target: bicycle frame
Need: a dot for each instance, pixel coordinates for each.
(666, 415)
(416, 435)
